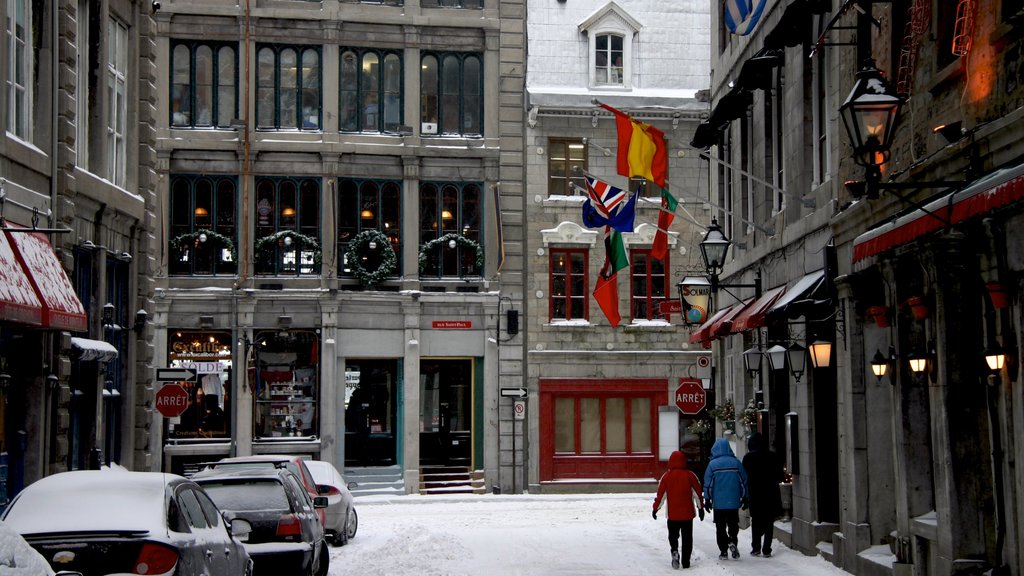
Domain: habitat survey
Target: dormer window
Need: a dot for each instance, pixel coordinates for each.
(610, 32)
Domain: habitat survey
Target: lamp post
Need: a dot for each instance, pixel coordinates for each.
(870, 114)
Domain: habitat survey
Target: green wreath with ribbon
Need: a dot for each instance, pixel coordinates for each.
(307, 242)
(357, 250)
(179, 242)
(445, 240)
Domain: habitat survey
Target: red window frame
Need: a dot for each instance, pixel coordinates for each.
(641, 285)
(567, 254)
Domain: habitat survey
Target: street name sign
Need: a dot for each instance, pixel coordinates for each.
(175, 375)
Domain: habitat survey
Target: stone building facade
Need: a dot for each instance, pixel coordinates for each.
(340, 213)
(77, 163)
(907, 472)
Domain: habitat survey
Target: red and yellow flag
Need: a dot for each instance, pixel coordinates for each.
(642, 151)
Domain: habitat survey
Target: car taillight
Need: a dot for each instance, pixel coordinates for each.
(332, 491)
(289, 525)
(155, 559)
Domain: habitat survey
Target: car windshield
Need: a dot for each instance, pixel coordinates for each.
(252, 495)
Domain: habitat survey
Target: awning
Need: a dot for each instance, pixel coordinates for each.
(62, 309)
(701, 334)
(799, 290)
(996, 190)
(86, 349)
(753, 316)
(719, 324)
(18, 300)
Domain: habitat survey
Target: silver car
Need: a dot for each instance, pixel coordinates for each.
(342, 520)
(121, 522)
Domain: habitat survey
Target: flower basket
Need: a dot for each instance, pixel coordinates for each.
(918, 307)
(880, 315)
(999, 295)
(725, 412)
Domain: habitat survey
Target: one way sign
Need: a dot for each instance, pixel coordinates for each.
(175, 375)
(513, 392)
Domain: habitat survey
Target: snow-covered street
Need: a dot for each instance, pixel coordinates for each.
(610, 534)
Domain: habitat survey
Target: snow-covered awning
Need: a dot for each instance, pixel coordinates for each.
(18, 300)
(62, 310)
(87, 349)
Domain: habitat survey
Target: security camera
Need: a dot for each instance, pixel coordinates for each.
(156, 6)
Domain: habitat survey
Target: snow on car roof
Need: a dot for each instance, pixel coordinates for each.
(17, 558)
(92, 500)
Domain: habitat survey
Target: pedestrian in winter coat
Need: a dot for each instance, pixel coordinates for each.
(679, 485)
(725, 490)
(764, 472)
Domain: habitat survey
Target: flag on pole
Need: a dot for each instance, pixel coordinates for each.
(607, 205)
(665, 217)
(606, 289)
(642, 150)
(742, 16)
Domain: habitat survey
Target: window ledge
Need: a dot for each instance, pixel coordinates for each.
(569, 324)
(650, 326)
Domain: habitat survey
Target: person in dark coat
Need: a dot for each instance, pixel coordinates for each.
(725, 490)
(764, 473)
(679, 485)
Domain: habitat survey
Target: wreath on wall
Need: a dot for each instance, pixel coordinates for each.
(203, 236)
(446, 240)
(358, 250)
(287, 237)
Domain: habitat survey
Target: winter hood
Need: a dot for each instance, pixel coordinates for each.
(755, 442)
(677, 461)
(721, 448)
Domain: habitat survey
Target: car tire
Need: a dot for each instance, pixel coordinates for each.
(325, 560)
(351, 525)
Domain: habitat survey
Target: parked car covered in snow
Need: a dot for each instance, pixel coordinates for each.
(295, 464)
(121, 522)
(287, 536)
(342, 520)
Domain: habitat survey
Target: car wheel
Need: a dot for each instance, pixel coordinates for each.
(325, 560)
(341, 537)
(351, 525)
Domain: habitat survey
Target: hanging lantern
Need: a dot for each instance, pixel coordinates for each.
(963, 28)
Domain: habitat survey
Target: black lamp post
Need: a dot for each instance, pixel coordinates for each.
(870, 114)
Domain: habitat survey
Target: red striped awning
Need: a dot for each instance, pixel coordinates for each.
(720, 324)
(61, 308)
(996, 190)
(18, 300)
(702, 334)
(753, 316)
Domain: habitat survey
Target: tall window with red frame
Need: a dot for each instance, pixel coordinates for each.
(568, 281)
(649, 285)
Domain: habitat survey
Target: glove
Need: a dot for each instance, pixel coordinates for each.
(707, 505)
(654, 514)
(700, 512)
(743, 504)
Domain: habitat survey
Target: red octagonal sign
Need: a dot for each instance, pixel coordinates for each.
(690, 396)
(171, 400)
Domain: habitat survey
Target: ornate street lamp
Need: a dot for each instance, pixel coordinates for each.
(821, 353)
(870, 114)
(713, 250)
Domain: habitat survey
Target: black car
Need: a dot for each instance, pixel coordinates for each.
(121, 522)
(287, 536)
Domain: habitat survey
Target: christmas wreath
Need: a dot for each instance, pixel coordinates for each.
(271, 240)
(179, 242)
(446, 240)
(357, 250)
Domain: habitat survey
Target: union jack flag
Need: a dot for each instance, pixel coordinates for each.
(608, 206)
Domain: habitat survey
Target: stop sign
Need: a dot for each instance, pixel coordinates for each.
(690, 396)
(171, 400)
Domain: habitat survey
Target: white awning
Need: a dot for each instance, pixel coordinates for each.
(93, 350)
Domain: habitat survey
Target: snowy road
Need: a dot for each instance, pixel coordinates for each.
(482, 535)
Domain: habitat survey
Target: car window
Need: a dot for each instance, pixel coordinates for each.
(210, 510)
(307, 476)
(190, 506)
(300, 496)
(251, 495)
(175, 519)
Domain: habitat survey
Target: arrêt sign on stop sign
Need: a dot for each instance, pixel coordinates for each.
(171, 400)
(690, 396)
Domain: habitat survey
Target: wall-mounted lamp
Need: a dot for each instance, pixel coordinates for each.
(995, 358)
(108, 315)
(950, 132)
(776, 357)
(88, 245)
(413, 342)
(52, 382)
(140, 320)
(918, 361)
(752, 361)
(879, 365)
(821, 353)
(797, 356)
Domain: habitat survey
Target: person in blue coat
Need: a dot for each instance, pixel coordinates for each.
(725, 491)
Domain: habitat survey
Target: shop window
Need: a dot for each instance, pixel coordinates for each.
(568, 284)
(371, 91)
(370, 412)
(286, 384)
(369, 205)
(204, 84)
(564, 156)
(288, 87)
(287, 226)
(649, 285)
(603, 425)
(208, 415)
(202, 225)
(450, 210)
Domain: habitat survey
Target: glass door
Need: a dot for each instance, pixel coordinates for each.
(446, 401)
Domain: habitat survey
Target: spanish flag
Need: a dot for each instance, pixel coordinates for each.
(642, 151)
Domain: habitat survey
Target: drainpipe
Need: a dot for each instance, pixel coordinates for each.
(54, 63)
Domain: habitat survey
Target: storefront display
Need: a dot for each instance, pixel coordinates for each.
(209, 412)
(285, 382)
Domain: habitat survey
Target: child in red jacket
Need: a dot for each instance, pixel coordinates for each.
(679, 485)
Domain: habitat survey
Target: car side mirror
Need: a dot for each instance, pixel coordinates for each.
(352, 485)
(320, 502)
(240, 528)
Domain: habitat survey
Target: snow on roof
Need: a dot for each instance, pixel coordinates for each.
(93, 349)
(17, 558)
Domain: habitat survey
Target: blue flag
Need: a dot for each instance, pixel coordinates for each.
(607, 205)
